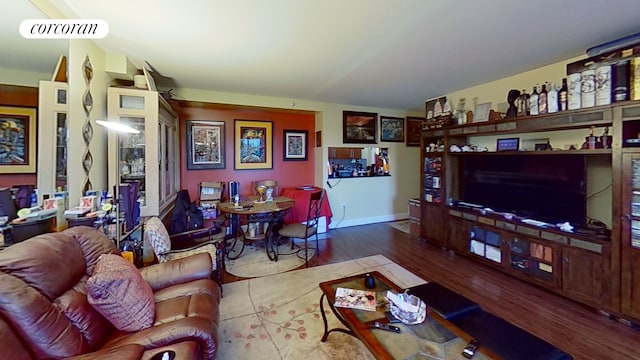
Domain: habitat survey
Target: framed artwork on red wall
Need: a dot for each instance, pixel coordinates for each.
(205, 145)
(294, 145)
(253, 144)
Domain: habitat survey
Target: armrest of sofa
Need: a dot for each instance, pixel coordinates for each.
(177, 271)
(202, 330)
(182, 350)
(125, 352)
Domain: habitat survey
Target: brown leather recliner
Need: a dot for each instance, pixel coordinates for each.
(45, 314)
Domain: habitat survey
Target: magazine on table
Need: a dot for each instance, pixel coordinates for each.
(355, 299)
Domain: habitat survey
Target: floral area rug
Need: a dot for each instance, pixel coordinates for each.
(278, 316)
(254, 262)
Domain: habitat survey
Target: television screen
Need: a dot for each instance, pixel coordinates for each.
(549, 188)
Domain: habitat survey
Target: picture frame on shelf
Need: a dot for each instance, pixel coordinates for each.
(253, 144)
(18, 141)
(481, 112)
(414, 130)
(391, 129)
(359, 127)
(294, 145)
(508, 144)
(205, 145)
(432, 110)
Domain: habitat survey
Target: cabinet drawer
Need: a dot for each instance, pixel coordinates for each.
(414, 227)
(414, 208)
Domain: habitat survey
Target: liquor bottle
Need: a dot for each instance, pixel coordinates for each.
(563, 96)
(574, 83)
(533, 102)
(552, 99)
(523, 103)
(588, 88)
(542, 100)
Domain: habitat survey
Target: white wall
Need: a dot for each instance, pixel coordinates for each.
(22, 78)
(78, 50)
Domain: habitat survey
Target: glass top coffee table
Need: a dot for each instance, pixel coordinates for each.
(435, 338)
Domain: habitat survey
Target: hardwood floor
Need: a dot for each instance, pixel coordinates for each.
(577, 329)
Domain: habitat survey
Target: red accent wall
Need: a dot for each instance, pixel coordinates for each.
(288, 173)
(22, 96)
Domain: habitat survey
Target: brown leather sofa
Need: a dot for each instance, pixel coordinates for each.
(45, 313)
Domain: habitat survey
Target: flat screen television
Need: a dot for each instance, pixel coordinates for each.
(549, 188)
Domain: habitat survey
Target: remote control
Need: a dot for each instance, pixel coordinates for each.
(470, 349)
(386, 327)
(392, 319)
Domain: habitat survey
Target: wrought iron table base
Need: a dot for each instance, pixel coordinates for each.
(326, 324)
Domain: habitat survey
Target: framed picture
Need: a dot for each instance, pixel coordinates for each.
(359, 127)
(294, 144)
(319, 138)
(253, 145)
(391, 129)
(414, 130)
(508, 144)
(17, 140)
(205, 145)
(433, 108)
(481, 112)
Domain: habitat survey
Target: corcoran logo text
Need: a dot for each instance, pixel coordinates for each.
(64, 29)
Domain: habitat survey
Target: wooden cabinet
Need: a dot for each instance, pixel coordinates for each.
(345, 153)
(630, 234)
(631, 285)
(592, 266)
(629, 208)
(433, 191)
(533, 258)
(459, 233)
(415, 215)
(150, 157)
(585, 274)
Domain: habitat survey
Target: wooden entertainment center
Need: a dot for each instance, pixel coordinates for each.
(598, 264)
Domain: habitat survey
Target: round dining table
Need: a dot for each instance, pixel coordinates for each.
(264, 215)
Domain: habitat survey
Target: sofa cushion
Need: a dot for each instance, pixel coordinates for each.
(117, 291)
(156, 233)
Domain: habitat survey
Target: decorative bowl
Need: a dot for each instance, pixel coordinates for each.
(410, 318)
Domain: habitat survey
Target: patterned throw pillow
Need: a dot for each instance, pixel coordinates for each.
(156, 233)
(118, 292)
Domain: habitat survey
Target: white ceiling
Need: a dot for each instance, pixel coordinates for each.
(379, 53)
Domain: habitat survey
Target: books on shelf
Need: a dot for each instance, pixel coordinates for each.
(355, 299)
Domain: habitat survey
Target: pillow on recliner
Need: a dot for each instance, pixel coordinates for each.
(118, 292)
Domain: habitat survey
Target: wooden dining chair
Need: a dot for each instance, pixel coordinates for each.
(307, 229)
(272, 184)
